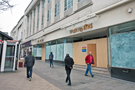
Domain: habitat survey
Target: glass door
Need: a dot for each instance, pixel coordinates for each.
(9, 58)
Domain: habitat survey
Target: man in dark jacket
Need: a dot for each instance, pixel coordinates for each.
(29, 63)
(68, 67)
(51, 59)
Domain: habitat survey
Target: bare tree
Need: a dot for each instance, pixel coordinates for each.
(5, 5)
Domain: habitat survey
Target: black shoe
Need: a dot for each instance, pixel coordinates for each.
(92, 76)
(69, 84)
(86, 75)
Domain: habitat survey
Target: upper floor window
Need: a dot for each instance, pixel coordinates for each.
(30, 29)
(57, 9)
(33, 27)
(49, 15)
(28, 18)
(34, 12)
(38, 8)
(42, 19)
(37, 23)
(31, 16)
(68, 4)
(49, 1)
(43, 3)
(79, 0)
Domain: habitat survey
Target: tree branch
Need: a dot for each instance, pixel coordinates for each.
(5, 5)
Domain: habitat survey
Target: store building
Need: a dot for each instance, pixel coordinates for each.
(80, 26)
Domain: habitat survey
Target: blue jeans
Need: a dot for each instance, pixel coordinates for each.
(88, 69)
(51, 62)
(29, 72)
(68, 71)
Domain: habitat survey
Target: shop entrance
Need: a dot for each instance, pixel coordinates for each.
(92, 48)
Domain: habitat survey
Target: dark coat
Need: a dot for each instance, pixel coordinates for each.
(29, 61)
(69, 62)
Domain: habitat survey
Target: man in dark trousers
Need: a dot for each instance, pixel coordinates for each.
(68, 67)
(29, 63)
(51, 59)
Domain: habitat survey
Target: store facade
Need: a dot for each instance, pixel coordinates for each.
(25, 48)
(97, 32)
(37, 51)
(121, 43)
(78, 37)
(59, 48)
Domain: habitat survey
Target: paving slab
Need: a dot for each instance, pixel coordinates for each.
(46, 78)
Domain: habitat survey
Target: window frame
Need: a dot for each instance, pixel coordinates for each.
(34, 12)
(57, 9)
(38, 8)
(43, 19)
(43, 3)
(68, 4)
(49, 15)
(37, 24)
(79, 0)
(49, 1)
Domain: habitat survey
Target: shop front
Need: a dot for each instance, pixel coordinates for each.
(59, 48)
(82, 39)
(121, 48)
(90, 41)
(25, 48)
(37, 51)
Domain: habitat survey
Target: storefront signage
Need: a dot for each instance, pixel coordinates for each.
(26, 44)
(84, 49)
(41, 40)
(81, 29)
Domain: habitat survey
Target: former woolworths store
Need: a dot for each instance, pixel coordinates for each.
(104, 27)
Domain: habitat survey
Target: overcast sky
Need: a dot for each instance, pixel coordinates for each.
(9, 19)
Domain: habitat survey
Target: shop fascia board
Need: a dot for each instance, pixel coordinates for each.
(96, 13)
(87, 31)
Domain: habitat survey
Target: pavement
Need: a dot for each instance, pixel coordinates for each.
(46, 78)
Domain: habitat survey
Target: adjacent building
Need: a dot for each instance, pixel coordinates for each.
(5, 36)
(104, 27)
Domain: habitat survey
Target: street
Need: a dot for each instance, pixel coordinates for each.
(46, 78)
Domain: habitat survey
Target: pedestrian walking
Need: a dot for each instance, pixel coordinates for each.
(69, 62)
(24, 54)
(29, 63)
(51, 59)
(89, 60)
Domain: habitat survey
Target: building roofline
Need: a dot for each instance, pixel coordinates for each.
(9, 37)
(28, 5)
(17, 23)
